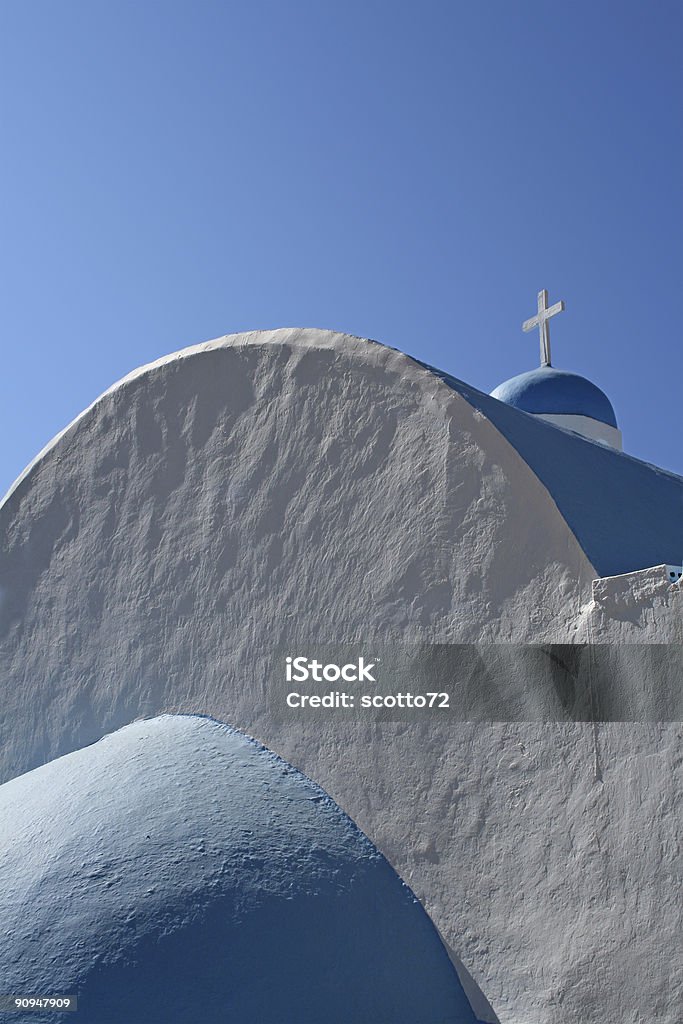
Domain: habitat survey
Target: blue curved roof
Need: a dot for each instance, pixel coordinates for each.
(192, 875)
(625, 514)
(547, 390)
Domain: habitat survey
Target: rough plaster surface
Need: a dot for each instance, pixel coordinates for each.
(176, 871)
(229, 500)
(636, 606)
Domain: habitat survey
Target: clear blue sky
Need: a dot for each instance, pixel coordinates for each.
(410, 172)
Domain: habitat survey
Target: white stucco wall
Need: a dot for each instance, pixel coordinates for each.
(294, 483)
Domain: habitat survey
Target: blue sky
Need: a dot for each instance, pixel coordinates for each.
(410, 172)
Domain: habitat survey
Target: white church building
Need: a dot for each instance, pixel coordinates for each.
(275, 490)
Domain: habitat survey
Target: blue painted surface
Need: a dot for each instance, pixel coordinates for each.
(547, 390)
(177, 872)
(625, 514)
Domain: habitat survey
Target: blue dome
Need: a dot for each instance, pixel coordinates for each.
(191, 875)
(556, 392)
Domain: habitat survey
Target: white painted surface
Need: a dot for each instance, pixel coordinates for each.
(290, 483)
(587, 427)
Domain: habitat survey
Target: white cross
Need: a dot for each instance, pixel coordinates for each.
(541, 321)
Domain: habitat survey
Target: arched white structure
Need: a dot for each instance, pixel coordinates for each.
(214, 506)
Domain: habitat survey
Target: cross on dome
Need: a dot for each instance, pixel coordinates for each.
(541, 321)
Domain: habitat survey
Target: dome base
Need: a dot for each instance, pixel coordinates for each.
(594, 430)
